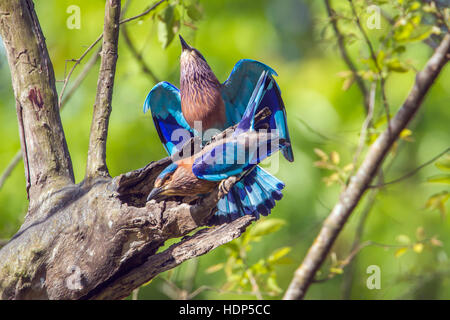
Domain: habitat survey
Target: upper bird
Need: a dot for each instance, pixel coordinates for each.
(204, 99)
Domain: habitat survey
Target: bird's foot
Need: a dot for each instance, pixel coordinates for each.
(226, 185)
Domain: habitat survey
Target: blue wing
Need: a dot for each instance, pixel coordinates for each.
(248, 118)
(165, 104)
(238, 90)
(234, 156)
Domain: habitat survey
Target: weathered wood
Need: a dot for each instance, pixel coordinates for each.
(48, 166)
(94, 239)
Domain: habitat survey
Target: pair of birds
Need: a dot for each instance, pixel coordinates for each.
(203, 100)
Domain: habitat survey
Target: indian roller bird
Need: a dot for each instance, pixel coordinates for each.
(203, 99)
(200, 173)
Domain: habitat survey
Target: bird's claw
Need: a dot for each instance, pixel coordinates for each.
(226, 185)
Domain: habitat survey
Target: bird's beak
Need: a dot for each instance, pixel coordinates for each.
(154, 193)
(184, 45)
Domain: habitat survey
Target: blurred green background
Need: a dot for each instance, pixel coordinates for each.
(290, 36)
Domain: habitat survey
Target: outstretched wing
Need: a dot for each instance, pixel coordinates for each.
(238, 88)
(165, 104)
(239, 92)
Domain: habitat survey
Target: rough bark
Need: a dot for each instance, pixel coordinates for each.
(96, 163)
(48, 166)
(100, 240)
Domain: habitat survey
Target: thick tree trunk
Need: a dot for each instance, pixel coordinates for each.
(97, 239)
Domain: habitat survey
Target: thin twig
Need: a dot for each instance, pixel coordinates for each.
(412, 172)
(375, 61)
(348, 276)
(77, 61)
(138, 56)
(345, 55)
(365, 127)
(80, 78)
(12, 164)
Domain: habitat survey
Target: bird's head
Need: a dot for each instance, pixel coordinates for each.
(162, 183)
(192, 62)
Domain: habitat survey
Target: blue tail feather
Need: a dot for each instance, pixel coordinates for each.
(254, 194)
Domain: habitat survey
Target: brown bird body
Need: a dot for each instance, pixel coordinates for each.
(183, 182)
(201, 98)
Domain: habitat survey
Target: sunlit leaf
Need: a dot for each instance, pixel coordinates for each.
(278, 254)
(194, 11)
(336, 270)
(438, 201)
(418, 247)
(443, 178)
(215, 268)
(403, 239)
(401, 251)
(444, 163)
(420, 233)
(334, 157)
(322, 154)
(268, 226)
(397, 66)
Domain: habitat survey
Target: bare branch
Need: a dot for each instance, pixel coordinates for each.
(350, 197)
(345, 55)
(12, 164)
(375, 61)
(412, 172)
(96, 161)
(145, 68)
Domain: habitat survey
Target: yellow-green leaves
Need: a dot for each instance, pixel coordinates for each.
(331, 162)
(438, 201)
(405, 243)
(170, 17)
(243, 275)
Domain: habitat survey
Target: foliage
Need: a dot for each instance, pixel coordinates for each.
(259, 277)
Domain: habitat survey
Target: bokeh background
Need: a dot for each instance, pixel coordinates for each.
(290, 36)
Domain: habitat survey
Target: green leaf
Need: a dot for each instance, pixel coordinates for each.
(397, 66)
(272, 284)
(278, 254)
(336, 270)
(403, 239)
(444, 163)
(265, 227)
(443, 178)
(437, 201)
(215, 268)
(401, 251)
(165, 26)
(194, 12)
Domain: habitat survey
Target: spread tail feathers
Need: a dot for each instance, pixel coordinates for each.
(254, 194)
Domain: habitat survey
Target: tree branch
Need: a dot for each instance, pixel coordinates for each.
(96, 161)
(350, 197)
(345, 55)
(48, 166)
